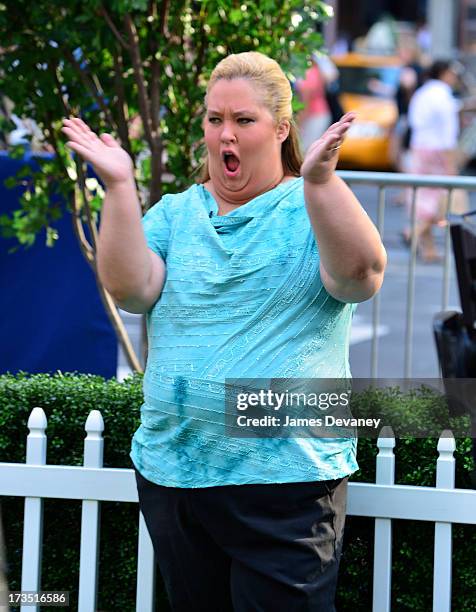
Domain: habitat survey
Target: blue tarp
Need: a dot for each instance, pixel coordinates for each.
(51, 315)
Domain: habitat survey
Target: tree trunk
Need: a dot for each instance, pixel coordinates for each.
(109, 306)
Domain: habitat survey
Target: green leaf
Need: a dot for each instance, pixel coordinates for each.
(51, 236)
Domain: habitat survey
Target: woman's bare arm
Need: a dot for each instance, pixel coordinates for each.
(352, 256)
(132, 273)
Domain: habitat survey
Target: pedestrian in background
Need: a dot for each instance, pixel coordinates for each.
(411, 78)
(316, 116)
(433, 117)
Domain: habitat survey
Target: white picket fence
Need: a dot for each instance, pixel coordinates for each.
(92, 483)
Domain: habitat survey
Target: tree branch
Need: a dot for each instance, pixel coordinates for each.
(119, 328)
(200, 53)
(53, 141)
(164, 16)
(86, 248)
(108, 302)
(155, 89)
(102, 11)
(88, 82)
(93, 231)
(53, 67)
(78, 229)
(144, 105)
(121, 106)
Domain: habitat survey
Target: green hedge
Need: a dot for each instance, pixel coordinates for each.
(67, 400)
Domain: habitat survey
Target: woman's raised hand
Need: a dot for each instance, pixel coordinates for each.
(321, 158)
(111, 162)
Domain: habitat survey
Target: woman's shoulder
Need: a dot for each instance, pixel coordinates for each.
(292, 189)
(289, 206)
(182, 196)
(174, 201)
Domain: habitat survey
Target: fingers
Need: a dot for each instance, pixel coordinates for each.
(76, 122)
(343, 124)
(77, 129)
(78, 136)
(347, 118)
(77, 148)
(350, 116)
(326, 148)
(109, 141)
(331, 149)
(334, 136)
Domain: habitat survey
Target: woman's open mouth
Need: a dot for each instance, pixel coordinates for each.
(231, 164)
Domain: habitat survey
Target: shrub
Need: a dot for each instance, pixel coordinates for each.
(67, 400)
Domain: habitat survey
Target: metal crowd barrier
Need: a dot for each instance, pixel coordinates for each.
(383, 180)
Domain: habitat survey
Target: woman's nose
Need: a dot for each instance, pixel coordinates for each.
(227, 133)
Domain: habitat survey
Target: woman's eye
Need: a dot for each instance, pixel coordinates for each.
(245, 120)
(214, 120)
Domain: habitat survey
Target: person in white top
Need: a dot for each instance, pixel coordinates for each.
(433, 116)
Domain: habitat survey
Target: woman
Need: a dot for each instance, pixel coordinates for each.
(235, 286)
(316, 116)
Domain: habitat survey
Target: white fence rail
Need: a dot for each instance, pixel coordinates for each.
(92, 483)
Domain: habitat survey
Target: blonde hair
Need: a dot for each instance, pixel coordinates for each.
(276, 93)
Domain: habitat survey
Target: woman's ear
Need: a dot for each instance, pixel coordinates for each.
(282, 130)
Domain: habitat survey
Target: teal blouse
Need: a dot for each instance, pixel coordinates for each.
(243, 298)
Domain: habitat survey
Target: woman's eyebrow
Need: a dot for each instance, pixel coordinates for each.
(244, 111)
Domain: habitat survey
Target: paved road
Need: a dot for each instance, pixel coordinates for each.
(428, 300)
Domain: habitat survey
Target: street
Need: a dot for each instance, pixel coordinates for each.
(392, 325)
(392, 328)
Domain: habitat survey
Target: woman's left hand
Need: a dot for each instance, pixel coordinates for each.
(321, 158)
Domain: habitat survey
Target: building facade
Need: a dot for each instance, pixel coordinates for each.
(451, 24)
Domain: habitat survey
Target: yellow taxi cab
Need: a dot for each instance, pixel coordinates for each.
(368, 84)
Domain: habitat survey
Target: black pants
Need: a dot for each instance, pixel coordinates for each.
(248, 548)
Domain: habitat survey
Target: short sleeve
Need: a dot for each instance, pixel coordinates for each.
(448, 122)
(156, 226)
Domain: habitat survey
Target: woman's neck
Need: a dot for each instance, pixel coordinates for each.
(228, 202)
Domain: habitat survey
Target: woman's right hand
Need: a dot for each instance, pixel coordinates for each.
(111, 162)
